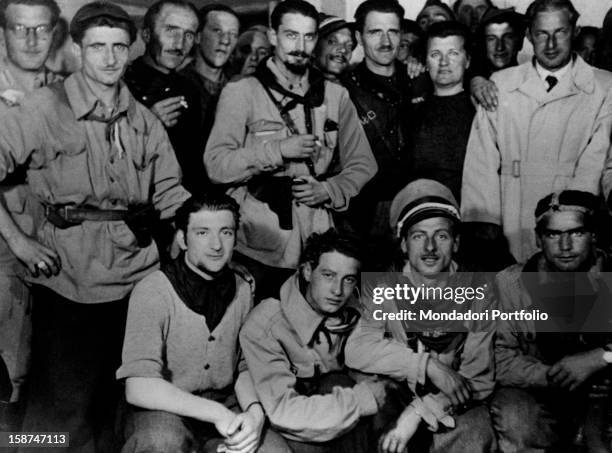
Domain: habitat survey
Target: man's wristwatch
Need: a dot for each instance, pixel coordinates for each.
(607, 355)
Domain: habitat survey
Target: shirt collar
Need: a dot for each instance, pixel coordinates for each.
(543, 73)
(298, 312)
(301, 87)
(83, 101)
(8, 79)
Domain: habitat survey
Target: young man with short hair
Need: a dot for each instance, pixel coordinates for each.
(545, 366)
(209, 71)
(181, 352)
(103, 169)
(335, 46)
(28, 27)
(294, 349)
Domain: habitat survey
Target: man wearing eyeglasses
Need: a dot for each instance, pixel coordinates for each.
(169, 31)
(28, 28)
(551, 131)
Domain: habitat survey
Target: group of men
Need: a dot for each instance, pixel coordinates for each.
(251, 335)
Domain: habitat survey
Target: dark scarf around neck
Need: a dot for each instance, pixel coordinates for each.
(209, 298)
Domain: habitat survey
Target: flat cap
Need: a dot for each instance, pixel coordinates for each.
(94, 10)
(329, 24)
(420, 200)
(495, 15)
(567, 200)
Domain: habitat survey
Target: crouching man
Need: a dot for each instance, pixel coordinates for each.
(294, 351)
(443, 369)
(181, 344)
(547, 366)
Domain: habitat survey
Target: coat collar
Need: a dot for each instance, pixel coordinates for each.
(526, 79)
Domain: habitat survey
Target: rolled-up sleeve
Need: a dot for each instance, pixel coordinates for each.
(148, 317)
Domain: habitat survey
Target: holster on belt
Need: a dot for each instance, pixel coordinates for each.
(276, 192)
(142, 219)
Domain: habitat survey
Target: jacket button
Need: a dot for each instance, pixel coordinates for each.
(211, 338)
(207, 366)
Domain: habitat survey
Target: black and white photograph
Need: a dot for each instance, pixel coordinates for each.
(306, 226)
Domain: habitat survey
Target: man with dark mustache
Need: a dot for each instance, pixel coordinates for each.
(292, 152)
(334, 47)
(442, 371)
(169, 31)
(382, 94)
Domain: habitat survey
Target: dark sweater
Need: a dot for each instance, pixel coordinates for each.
(442, 129)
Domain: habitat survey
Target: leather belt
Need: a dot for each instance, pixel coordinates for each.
(72, 213)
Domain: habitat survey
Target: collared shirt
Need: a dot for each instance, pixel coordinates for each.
(277, 342)
(75, 159)
(544, 73)
(165, 339)
(12, 90)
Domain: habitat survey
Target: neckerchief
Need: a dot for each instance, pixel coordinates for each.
(209, 298)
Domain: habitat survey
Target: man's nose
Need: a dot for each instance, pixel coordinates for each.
(224, 38)
(337, 287)
(215, 242)
(551, 42)
(31, 37)
(430, 244)
(565, 241)
(385, 39)
(110, 57)
(500, 45)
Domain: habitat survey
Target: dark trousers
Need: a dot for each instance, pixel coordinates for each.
(76, 349)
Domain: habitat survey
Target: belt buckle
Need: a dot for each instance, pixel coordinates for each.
(65, 212)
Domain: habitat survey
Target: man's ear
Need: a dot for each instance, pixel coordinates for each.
(182, 242)
(456, 244)
(146, 35)
(404, 246)
(538, 241)
(272, 37)
(359, 37)
(528, 35)
(307, 271)
(78, 51)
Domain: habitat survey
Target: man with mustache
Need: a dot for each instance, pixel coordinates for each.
(28, 28)
(101, 168)
(545, 367)
(550, 131)
(289, 145)
(334, 47)
(382, 93)
(441, 371)
(169, 32)
(209, 71)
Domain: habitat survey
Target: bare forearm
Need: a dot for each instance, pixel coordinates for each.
(9, 230)
(157, 394)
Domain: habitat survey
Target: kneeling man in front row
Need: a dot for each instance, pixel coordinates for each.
(180, 353)
(550, 370)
